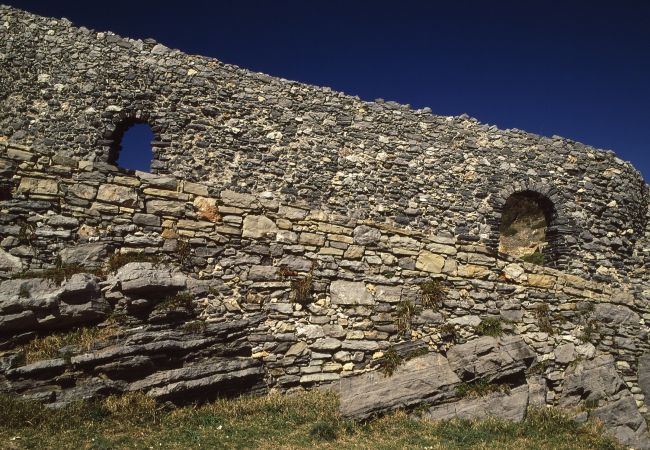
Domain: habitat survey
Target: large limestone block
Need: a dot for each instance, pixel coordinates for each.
(258, 226)
(45, 186)
(143, 277)
(644, 375)
(430, 262)
(622, 419)
(117, 194)
(491, 358)
(350, 293)
(591, 380)
(9, 262)
(423, 379)
(93, 254)
(510, 405)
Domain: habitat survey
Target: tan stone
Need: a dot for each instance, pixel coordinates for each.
(289, 212)
(85, 191)
(541, 281)
(38, 186)
(166, 208)
(117, 194)
(258, 226)
(206, 208)
(340, 238)
(331, 251)
(311, 239)
(238, 200)
(354, 252)
(197, 225)
(430, 262)
(473, 271)
(164, 193)
(196, 189)
(329, 228)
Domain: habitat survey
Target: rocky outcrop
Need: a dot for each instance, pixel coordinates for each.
(433, 381)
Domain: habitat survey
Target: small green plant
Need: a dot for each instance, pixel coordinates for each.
(118, 260)
(195, 326)
(405, 312)
(179, 300)
(58, 274)
(23, 292)
(543, 316)
(536, 257)
(26, 233)
(82, 339)
(323, 430)
(302, 289)
(391, 361)
(589, 330)
(490, 326)
(183, 250)
(448, 332)
(480, 388)
(433, 293)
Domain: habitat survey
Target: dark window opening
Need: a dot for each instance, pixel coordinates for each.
(5, 191)
(131, 147)
(525, 219)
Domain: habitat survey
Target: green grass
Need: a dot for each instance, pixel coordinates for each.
(536, 257)
(490, 326)
(307, 420)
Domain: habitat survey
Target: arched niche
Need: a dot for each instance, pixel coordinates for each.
(542, 209)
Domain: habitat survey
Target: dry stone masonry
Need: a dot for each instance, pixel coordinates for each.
(291, 237)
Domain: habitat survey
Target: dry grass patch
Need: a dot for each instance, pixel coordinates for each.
(307, 420)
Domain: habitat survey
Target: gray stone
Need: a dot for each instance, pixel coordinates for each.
(263, 273)
(590, 381)
(87, 255)
(144, 277)
(258, 226)
(565, 353)
(510, 405)
(491, 358)
(622, 419)
(421, 380)
(644, 376)
(350, 293)
(10, 263)
(365, 235)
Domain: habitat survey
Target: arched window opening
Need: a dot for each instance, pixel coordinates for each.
(131, 147)
(523, 231)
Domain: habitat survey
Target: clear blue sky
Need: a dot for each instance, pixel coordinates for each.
(579, 69)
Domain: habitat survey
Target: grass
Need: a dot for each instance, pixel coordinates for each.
(302, 289)
(480, 388)
(536, 257)
(118, 260)
(433, 293)
(82, 339)
(491, 326)
(57, 274)
(405, 311)
(179, 300)
(306, 420)
(543, 315)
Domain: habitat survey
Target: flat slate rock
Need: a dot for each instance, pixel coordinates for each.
(426, 378)
(501, 405)
(491, 358)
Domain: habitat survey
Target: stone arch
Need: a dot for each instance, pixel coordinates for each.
(551, 203)
(120, 123)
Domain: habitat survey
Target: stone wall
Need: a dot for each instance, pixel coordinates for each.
(73, 91)
(309, 295)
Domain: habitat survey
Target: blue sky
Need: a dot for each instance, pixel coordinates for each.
(579, 69)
